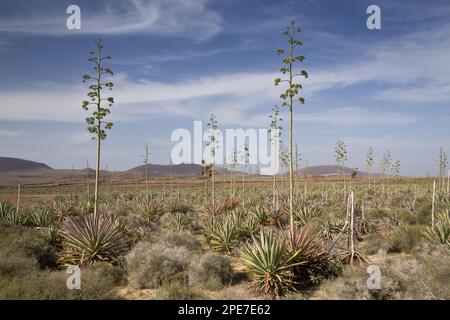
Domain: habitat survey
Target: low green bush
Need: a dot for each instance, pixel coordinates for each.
(377, 214)
(18, 242)
(423, 213)
(97, 282)
(405, 238)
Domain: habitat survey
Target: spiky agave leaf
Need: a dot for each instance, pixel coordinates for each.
(307, 251)
(305, 213)
(268, 262)
(387, 224)
(42, 218)
(212, 210)
(329, 230)
(149, 209)
(178, 221)
(5, 210)
(305, 247)
(89, 238)
(441, 232)
(177, 205)
(365, 227)
(230, 203)
(262, 214)
(222, 233)
(52, 236)
(246, 225)
(15, 217)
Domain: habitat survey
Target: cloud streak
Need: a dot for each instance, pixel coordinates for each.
(237, 99)
(190, 18)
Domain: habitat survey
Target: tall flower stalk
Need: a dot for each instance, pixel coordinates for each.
(96, 124)
(212, 143)
(146, 157)
(275, 120)
(370, 161)
(291, 96)
(340, 153)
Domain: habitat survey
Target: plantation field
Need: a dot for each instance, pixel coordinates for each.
(170, 241)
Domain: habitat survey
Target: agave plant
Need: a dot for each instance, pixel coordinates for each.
(61, 207)
(250, 227)
(211, 210)
(149, 209)
(329, 230)
(13, 216)
(108, 206)
(307, 252)
(269, 264)
(221, 233)
(178, 221)
(89, 238)
(443, 201)
(262, 214)
(238, 217)
(364, 227)
(304, 247)
(52, 236)
(5, 210)
(127, 196)
(440, 234)
(230, 204)
(275, 214)
(305, 213)
(85, 206)
(177, 205)
(42, 218)
(386, 224)
(252, 202)
(246, 225)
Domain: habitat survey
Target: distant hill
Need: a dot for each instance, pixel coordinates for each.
(16, 164)
(328, 170)
(14, 169)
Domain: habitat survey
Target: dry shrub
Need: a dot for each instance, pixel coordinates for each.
(212, 271)
(181, 239)
(177, 290)
(423, 213)
(150, 265)
(423, 275)
(373, 243)
(405, 238)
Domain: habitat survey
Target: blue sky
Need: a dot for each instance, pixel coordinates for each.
(176, 61)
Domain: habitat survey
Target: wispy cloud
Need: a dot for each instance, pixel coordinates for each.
(411, 66)
(235, 98)
(8, 134)
(168, 56)
(357, 116)
(427, 93)
(190, 18)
